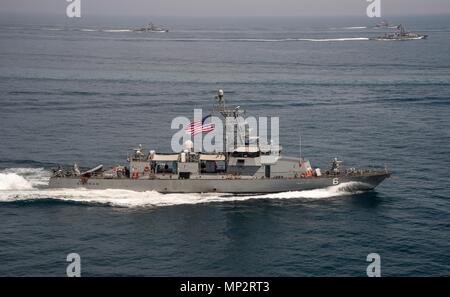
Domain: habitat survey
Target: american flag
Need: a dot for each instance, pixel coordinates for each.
(196, 127)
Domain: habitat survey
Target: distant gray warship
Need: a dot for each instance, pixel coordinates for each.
(400, 35)
(248, 169)
(151, 28)
(382, 24)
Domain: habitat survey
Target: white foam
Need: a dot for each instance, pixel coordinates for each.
(53, 29)
(352, 28)
(258, 39)
(34, 176)
(19, 185)
(123, 198)
(338, 39)
(116, 30)
(11, 181)
(299, 39)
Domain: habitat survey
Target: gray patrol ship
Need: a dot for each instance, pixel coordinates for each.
(247, 169)
(151, 28)
(401, 35)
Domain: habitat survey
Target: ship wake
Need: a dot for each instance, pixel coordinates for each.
(28, 185)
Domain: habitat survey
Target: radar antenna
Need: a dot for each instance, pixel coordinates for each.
(221, 107)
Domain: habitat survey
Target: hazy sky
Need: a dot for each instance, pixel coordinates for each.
(226, 7)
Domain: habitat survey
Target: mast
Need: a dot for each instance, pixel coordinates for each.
(301, 155)
(402, 30)
(221, 107)
(226, 112)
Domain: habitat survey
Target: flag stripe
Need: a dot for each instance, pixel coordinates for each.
(197, 127)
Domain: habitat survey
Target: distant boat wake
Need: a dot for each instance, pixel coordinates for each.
(128, 30)
(255, 39)
(116, 30)
(28, 185)
(338, 39)
(355, 28)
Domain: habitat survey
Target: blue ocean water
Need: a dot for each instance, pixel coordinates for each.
(90, 90)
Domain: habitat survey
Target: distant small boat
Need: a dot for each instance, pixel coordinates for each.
(151, 28)
(400, 35)
(382, 24)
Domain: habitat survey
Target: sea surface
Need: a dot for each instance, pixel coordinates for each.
(89, 90)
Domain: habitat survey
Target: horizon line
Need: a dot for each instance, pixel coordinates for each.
(90, 15)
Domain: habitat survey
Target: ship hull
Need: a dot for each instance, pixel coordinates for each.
(399, 39)
(236, 186)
